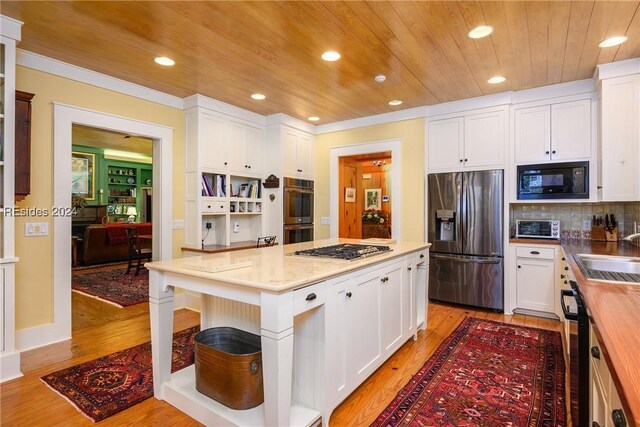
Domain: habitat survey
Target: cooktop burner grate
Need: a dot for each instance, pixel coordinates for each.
(345, 251)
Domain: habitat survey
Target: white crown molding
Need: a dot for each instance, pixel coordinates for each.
(617, 69)
(198, 100)
(284, 119)
(62, 69)
(576, 87)
(11, 28)
(395, 116)
(486, 101)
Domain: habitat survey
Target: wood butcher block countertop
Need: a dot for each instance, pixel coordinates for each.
(614, 309)
(273, 269)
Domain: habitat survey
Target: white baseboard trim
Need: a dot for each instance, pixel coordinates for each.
(9, 365)
(193, 301)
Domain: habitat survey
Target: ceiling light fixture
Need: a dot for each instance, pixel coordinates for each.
(314, 119)
(380, 78)
(613, 41)
(480, 32)
(496, 79)
(258, 96)
(331, 56)
(163, 60)
(395, 102)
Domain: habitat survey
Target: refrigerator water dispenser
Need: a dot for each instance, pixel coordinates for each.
(445, 225)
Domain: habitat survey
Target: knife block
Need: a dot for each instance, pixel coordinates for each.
(611, 236)
(598, 233)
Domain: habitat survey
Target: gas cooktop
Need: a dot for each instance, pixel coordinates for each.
(345, 251)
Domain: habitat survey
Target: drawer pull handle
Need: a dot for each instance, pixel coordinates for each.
(409, 268)
(519, 266)
(566, 268)
(421, 256)
(595, 352)
(311, 297)
(348, 294)
(618, 418)
(535, 253)
(562, 276)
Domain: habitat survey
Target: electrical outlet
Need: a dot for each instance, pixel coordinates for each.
(178, 224)
(236, 227)
(586, 224)
(325, 220)
(208, 225)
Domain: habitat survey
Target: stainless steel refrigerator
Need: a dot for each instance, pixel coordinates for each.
(465, 227)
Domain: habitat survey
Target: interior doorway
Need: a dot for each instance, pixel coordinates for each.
(111, 181)
(394, 183)
(365, 209)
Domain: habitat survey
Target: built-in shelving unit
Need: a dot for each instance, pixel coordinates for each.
(224, 175)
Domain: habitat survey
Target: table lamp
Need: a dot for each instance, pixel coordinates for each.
(132, 212)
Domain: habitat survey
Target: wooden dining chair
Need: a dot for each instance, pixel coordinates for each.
(266, 241)
(135, 249)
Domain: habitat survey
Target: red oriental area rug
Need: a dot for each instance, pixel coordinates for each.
(112, 285)
(105, 386)
(486, 373)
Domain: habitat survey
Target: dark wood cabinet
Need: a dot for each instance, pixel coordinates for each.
(23, 145)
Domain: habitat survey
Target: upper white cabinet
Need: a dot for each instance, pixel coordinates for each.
(620, 138)
(473, 139)
(559, 131)
(245, 148)
(213, 139)
(552, 132)
(297, 154)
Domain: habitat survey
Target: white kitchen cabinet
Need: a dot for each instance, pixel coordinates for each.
(393, 291)
(606, 407)
(245, 149)
(536, 288)
(297, 154)
(620, 139)
(473, 140)
(213, 141)
(552, 132)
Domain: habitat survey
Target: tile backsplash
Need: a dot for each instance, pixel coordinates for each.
(572, 215)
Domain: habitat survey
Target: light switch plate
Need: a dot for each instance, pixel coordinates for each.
(178, 224)
(325, 220)
(34, 229)
(586, 225)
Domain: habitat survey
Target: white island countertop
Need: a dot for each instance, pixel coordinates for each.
(274, 269)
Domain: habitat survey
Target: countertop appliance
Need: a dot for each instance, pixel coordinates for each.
(538, 229)
(465, 227)
(344, 251)
(578, 354)
(298, 210)
(553, 181)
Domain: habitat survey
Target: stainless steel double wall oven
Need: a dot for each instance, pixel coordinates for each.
(298, 210)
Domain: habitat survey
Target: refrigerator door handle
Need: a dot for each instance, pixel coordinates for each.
(466, 259)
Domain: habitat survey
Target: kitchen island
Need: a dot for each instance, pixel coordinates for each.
(325, 324)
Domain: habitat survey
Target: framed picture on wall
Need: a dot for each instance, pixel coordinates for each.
(350, 195)
(83, 175)
(372, 198)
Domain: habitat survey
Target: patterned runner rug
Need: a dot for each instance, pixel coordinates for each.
(112, 285)
(102, 387)
(486, 373)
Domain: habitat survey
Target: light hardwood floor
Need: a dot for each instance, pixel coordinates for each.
(100, 329)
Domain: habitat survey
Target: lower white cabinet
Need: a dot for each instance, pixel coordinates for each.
(535, 278)
(369, 315)
(605, 405)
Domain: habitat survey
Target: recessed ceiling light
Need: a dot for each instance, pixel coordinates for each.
(258, 96)
(380, 78)
(331, 56)
(395, 102)
(613, 41)
(314, 119)
(496, 79)
(163, 60)
(480, 32)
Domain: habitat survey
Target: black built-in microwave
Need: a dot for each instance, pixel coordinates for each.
(553, 181)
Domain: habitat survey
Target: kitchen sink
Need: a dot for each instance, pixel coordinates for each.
(609, 268)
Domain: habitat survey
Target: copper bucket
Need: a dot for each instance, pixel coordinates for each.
(228, 365)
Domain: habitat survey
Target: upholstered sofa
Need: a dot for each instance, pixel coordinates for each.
(108, 243)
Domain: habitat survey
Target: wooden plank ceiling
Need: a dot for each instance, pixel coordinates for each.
(229, 50)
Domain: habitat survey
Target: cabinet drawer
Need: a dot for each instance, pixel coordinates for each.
(535, 252)
(307, 298)
(214, 206)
